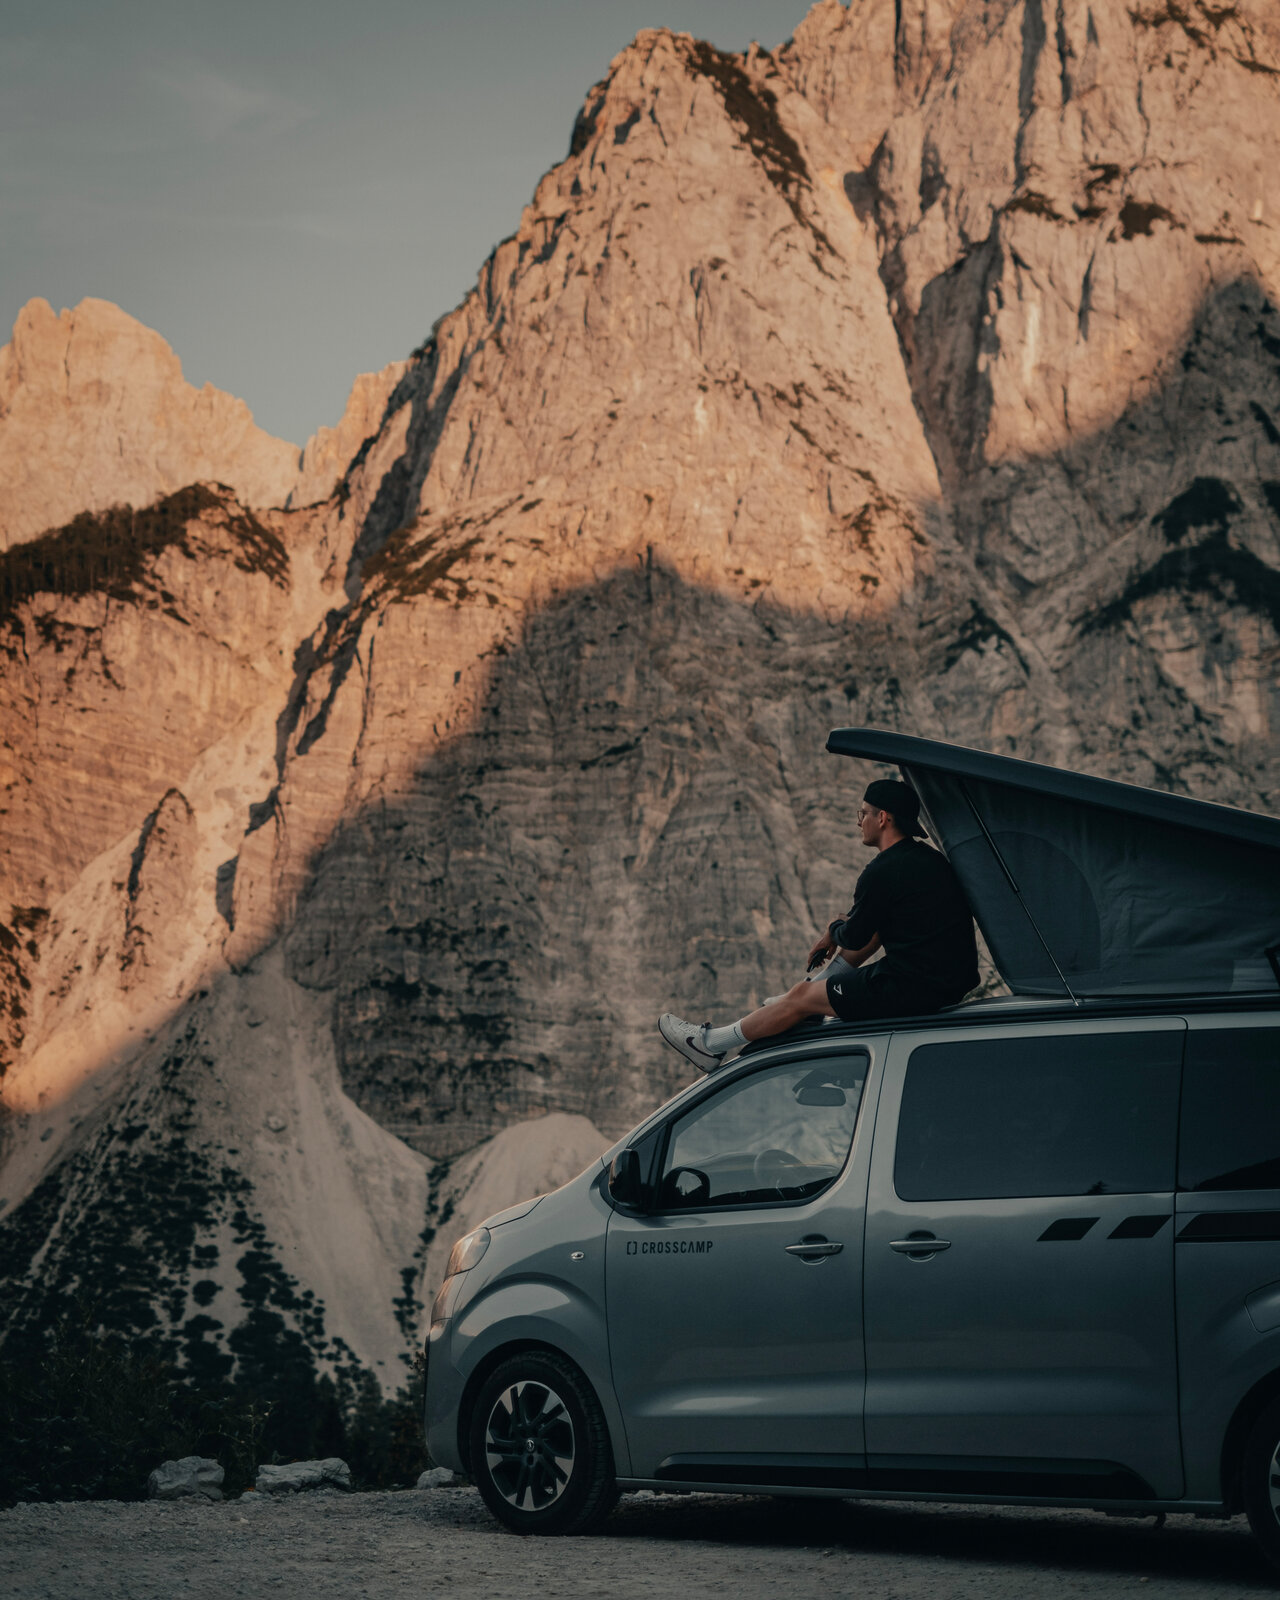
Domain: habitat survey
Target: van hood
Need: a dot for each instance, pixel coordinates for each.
(1084, 887)
(522, 1208)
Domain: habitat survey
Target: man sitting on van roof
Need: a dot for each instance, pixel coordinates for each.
(908, 901)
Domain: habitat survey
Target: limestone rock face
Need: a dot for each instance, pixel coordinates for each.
(1077, 224)
(925, 374)
(172, 638)
(94, 412)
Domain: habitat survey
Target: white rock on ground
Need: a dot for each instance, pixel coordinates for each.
(437, 1478)
(176, 1480)
(292, 1476)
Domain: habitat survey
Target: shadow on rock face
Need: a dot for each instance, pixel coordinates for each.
(636, 813)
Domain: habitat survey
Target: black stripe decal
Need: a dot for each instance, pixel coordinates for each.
(1222, 1227)
(1139, 1227)
(1066, 1228)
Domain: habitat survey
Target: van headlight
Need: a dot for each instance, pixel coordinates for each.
(468, 1251)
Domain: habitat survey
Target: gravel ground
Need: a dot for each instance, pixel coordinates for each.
(442, 1543)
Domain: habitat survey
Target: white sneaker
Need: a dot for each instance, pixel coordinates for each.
(686, 1037)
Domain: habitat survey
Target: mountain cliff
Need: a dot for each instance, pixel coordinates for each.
(95, 413)
(924, 372)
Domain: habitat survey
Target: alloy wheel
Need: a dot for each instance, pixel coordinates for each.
(529, 1445)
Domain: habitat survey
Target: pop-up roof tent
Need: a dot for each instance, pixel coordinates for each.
(1087, 888)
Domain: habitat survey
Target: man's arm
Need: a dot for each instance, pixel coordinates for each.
(858, 935)
(855, 958)
(861, 923)
(827, 946)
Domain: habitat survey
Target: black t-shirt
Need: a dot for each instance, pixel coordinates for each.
(912, 898)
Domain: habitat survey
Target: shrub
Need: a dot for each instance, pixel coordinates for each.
(86, 1414)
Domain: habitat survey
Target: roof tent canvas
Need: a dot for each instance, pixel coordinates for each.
(1088, 888)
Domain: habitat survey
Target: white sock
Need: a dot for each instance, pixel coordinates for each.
(719, 1040)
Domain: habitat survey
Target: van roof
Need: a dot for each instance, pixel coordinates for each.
(1012, 1009)
(1085, 888)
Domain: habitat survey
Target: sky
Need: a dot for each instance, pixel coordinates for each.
(293, 191)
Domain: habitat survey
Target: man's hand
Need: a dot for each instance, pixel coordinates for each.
(822, 948)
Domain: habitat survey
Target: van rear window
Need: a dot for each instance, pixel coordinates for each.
(1230, 1134)
(1070, 1115)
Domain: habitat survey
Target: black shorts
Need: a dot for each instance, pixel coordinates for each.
(869, 992)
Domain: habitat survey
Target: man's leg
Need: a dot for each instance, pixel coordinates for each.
(838, 967)
(803, 999)
(706, 1046)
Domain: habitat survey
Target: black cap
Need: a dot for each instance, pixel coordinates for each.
(900, 801)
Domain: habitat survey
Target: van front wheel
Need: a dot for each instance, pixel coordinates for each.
(540, 1450)
(1260, 1470)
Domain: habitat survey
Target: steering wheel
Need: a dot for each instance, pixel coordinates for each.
(765, 1167)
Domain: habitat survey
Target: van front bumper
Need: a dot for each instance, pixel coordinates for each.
(444, 1388)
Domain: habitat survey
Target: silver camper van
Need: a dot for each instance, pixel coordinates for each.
(1025, 1251)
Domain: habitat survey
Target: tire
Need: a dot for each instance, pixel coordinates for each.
(540, 1452)
(1260, 1481)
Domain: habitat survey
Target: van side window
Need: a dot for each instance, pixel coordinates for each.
(998, 1119)
(779, 1134)
(1230, 1134)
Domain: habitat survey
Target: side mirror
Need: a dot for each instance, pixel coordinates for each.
(624, 1178)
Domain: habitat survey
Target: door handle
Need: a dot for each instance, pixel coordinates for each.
(920, 1246)
(813, 1249)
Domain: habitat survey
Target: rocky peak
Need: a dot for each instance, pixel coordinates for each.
(95, 412)
(602, 345)
(329, 452)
